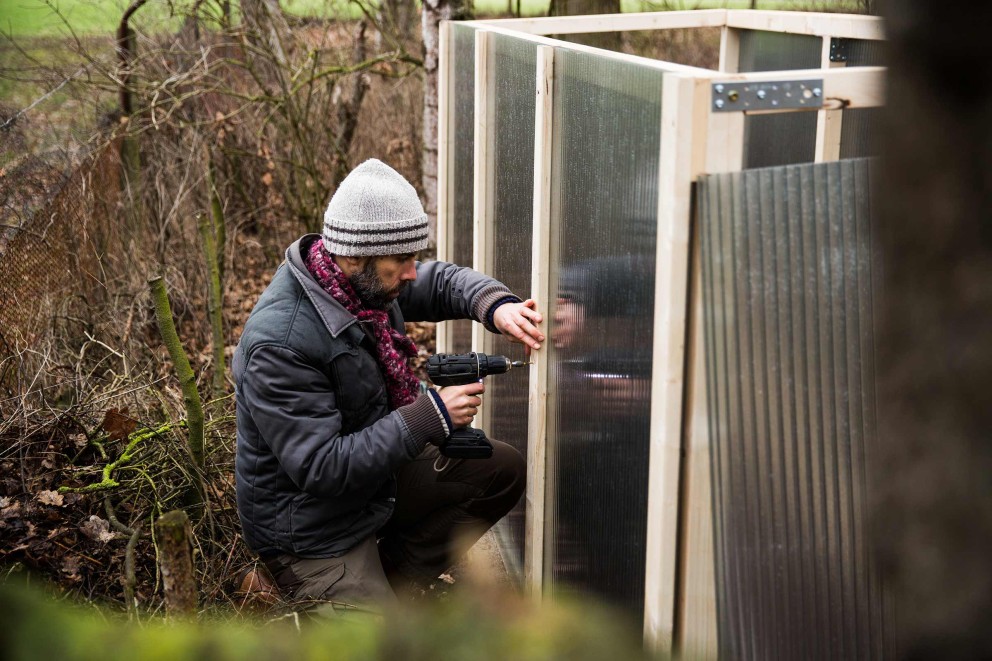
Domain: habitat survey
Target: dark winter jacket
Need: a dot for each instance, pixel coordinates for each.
(317, 446)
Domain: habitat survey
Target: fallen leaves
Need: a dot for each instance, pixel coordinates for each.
(97, 529)
(50, 498)
(118, 424)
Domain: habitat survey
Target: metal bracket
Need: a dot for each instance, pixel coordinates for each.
(772, 95)
(839, 49)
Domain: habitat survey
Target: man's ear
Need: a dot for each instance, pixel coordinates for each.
(351, 265)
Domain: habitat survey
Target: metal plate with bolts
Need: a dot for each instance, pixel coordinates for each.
(772, 95)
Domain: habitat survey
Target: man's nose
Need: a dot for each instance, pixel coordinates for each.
(410, 273)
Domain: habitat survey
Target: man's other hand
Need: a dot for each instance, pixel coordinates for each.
(462, 402)
(518, 321)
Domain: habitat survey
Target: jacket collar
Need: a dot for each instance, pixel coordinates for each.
(335, 317)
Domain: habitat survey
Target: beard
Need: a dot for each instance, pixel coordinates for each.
(370, 289)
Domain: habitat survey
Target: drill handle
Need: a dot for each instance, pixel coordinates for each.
(467, 443)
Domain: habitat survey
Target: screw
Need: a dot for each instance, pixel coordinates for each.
(817, 91)
(718, 88)
(762, 94)
(733, 95)
(719, 103)
(774, 102)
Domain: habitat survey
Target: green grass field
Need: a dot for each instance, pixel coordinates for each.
(28, 18)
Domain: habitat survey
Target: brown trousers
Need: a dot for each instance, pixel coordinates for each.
(438, 515)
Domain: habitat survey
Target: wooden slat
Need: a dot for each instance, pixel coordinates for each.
(828, 122)
(848, 26)
(538, 413)
(656, 20)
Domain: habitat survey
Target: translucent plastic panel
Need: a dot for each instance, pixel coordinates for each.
(783, 138)
(860, 127)
(787, 284)
(607, 118)
(514, 63)
(461, 162)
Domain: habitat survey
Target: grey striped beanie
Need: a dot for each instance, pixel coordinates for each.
(375, 211)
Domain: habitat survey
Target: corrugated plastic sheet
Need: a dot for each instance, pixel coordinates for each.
(787, 269)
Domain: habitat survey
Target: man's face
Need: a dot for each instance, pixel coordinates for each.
(382, 279)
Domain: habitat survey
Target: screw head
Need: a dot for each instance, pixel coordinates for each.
(817, 91)
(719, 103)
(762, 94)
(718, 88)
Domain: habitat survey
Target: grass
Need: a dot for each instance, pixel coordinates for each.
(32, 18)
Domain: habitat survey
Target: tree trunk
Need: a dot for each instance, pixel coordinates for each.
(432, 13)
(608, 40)
(267, 27)
(933, 517)
(173, 536)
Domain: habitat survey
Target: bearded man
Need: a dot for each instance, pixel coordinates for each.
(340, 489)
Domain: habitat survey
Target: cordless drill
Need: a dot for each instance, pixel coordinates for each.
(446, 369)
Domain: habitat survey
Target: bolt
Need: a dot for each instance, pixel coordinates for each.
(719, 103)
(733, 95)
(817, 91)
(718, 88)
(762, 94)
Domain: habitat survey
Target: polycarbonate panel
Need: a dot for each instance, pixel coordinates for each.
(860, 127)
(787, 287)
(783, 138)
(461, 165)
(514, 64)
(607, 119)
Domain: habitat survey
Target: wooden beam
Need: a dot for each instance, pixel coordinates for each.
(848, 26)
(654, 20)
(445, 238)
(828, 122)
(541, 274)
(582, 48)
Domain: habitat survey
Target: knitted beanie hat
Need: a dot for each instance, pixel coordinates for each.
(374, 211)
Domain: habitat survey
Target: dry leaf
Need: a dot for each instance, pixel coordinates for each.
(118, 424)
(267, 178)
(97, 529)
(49, 498)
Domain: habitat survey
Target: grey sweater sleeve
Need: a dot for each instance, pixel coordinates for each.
(293, 406)
(446, 291)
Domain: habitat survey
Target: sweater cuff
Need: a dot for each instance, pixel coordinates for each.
(442, 411)
(423, 423)
(484, 301)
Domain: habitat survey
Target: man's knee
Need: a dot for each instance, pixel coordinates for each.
(509, 476)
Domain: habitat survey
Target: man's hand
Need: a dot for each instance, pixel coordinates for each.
(517, 321)
(462, 402)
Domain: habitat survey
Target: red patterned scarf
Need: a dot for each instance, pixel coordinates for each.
(394, 349)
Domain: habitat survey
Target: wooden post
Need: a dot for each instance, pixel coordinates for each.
(828, 122)
(730, 49)
(445, 243)
(680, 161)
(482, 251)
(537, 415)
(173, 536)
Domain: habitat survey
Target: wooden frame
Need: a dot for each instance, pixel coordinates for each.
(680, 610)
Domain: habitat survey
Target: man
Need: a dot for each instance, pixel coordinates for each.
(339, 480)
